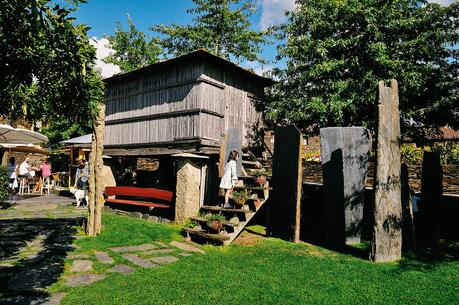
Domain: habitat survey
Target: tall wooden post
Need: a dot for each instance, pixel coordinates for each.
(96, 199)
(387, 233)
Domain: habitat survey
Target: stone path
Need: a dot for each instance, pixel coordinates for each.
(36, 238)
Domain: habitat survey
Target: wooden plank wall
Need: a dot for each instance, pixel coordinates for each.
(160, 102)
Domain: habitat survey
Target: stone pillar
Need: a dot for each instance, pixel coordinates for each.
(188, 190)
(285, 210)
(387, 234)
(431, 195)
(344, 152)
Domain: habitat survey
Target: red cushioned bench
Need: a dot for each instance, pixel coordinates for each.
(165, 197)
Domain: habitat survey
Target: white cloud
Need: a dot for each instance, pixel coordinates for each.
(102, 51)
(442, 2)
(273, 11)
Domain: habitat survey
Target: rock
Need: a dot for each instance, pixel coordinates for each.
(134, 248)
(121, 269)
(77, 256)
(159, 251)
(345, 152)
(104, 258)
(136, 260)
(81, 266)
(54, 299)
(83, 279)
(161, 244)
(186, 247)
(185, 254)
(162, 260)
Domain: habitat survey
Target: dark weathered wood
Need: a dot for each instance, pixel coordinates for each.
(287, 183)
(387, 232)
(232, 141)
(431, 194)
(216, 237)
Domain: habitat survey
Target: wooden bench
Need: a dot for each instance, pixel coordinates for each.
(127, 191)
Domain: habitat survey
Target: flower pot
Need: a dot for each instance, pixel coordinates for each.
(260, 180)
(214, 225)
(239, 201)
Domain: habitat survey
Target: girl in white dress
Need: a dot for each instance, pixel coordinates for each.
(229, 178)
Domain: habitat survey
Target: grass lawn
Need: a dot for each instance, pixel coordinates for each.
(270, 271)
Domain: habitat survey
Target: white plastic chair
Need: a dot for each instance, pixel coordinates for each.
(23, 186)
(45, 185)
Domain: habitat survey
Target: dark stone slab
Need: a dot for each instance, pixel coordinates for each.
(345, 153)
(103, 257)
(163, 260)
(78, 256)
(134, 248)
(136, 260)
(81, 266)
(123, 269)
(83, 279)
(232, 141)
(155, 252)
(287, 183)
(186, 247)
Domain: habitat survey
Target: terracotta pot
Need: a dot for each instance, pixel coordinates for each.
(239, 201)
(214, 225)
(260, 180)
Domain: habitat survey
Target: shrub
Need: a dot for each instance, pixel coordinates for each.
(454, 154)
(4, 184)
(411, 154)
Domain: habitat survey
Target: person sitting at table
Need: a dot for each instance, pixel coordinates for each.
(45, 169)
(25, 170)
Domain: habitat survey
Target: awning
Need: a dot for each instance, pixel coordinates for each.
(86, 139)
(11, 135)
(26, 148)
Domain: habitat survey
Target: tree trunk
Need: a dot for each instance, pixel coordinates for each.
(387, 234)
(96, 199)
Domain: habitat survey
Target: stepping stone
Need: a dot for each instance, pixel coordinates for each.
(81, 266)
(162, 260)
(185, 254)
(161, 244)
(54, 299)
(160, 251)
(134, 248)
(139, 261)
(123, 269)
(104, 258)
(77, 256)
(186, 247)
(83, 279)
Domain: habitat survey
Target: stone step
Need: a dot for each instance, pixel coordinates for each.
(199, 235)
(220, 209)
(229, 227)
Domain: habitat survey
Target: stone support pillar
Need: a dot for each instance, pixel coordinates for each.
(189, 190)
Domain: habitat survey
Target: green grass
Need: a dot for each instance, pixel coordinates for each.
(269, 272)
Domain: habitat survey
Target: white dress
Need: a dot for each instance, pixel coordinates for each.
(229, 178)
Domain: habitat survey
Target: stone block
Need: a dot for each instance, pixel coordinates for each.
(345, 153)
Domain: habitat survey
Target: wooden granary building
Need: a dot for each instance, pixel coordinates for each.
(181, 105)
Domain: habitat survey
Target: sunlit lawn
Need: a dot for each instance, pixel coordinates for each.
(268, 272)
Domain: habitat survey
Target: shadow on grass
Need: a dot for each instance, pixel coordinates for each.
(32, 254)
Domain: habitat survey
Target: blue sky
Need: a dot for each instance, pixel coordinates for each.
(101, 16)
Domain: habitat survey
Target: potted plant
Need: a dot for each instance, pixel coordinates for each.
(214, 222)
(239, 197)
(260, 176)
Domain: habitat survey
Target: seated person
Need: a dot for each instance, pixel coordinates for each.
(25, 170)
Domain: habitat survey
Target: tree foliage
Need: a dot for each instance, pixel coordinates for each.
(337, 51)
(133, 48)
(221, 27)
(46, 63)
(5, 189)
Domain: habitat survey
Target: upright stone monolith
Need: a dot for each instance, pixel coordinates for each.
(431, 195)
(287, 184)
(387, 234)
(344, 152)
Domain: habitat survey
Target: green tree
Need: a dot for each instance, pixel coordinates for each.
(221, 27)
(46, 63)
(133, 48)
(337, 51)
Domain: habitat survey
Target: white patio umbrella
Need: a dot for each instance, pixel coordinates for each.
(11, 135)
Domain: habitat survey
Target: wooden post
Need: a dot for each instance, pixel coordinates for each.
(387, 234)
(287, 184)
(408, 232)
(96, 198)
